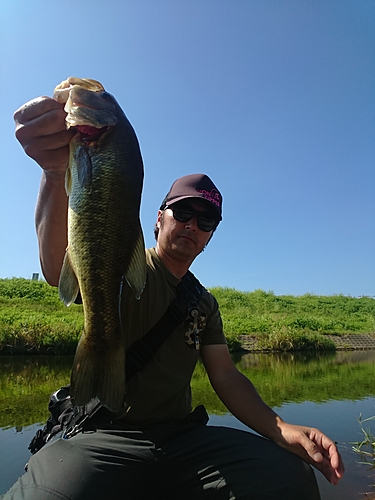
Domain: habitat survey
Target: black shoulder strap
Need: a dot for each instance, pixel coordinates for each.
(189, 292)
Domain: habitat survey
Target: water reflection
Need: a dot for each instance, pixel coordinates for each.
(294, 377)
(328, 391)
(25, 386)
(298, 377)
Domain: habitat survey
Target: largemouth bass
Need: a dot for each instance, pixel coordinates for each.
(105, 240)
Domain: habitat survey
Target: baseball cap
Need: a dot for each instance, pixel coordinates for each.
(198, 186)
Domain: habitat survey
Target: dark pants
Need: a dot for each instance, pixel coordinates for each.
(190, 461)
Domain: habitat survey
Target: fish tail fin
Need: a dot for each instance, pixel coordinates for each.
(99, 374)
(136, 272)
(68, 283)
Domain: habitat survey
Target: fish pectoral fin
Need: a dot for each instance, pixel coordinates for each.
(68, 283)
(68, 180)
(136, 272)
(84, 167)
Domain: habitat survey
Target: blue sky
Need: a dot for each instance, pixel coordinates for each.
(275, 100)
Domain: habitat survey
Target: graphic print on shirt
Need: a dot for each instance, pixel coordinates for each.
(196, 324)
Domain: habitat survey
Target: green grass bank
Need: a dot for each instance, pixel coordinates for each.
(34, 321)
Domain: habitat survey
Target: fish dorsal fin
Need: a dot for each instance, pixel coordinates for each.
(136, 272)
(68, 283)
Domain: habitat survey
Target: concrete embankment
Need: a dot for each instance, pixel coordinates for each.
(342, 342)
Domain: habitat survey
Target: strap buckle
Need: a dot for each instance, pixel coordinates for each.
(80, 415)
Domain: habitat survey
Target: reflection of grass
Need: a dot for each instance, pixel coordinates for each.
(26, 383)
(316, 377)
(25, 386)
(295, 377)
(204, 394)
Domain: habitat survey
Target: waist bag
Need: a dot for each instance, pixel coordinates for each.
(73, 419)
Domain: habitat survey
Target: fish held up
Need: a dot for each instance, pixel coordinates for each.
(105, 241)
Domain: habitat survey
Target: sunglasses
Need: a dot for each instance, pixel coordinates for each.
(205, 220)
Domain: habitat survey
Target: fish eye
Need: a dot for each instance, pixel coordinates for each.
(107, 96)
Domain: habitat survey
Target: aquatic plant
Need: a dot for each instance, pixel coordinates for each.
(366, 447)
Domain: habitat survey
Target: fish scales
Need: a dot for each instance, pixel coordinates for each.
(105, 240)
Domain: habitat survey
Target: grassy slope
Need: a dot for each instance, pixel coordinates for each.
(277, 320)
(33, 320)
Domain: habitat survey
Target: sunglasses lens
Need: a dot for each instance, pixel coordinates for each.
(205, 221)
(182, 214)
(206, 224)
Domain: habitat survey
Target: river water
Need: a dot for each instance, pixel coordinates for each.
(328, 391)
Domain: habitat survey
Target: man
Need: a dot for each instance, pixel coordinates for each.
(158, 448)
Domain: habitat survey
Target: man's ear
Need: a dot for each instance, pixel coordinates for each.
(160, 215)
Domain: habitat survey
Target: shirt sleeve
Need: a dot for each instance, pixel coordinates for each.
(213, 331)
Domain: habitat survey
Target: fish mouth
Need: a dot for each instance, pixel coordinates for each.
(86, 104)
(88, 133)
(91, 109)
(62, 91)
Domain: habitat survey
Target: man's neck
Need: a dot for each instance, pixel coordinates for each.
(175, 267)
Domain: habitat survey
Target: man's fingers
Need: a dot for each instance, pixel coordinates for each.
(39, 145)
(36, 107)
(54, 160)
(310, 447)
(41, 130)
(317, 456)
(326, 458)
(47, 124)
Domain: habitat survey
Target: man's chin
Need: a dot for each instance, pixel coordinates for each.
(186, 248)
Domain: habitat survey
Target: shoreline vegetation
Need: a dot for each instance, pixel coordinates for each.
(34, 321)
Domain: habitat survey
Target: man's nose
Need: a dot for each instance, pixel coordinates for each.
(192, 223)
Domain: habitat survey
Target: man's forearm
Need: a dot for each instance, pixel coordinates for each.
(51, 224)
(238, 393)
(243, 401)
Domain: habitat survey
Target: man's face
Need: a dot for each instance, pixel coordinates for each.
(182, 241)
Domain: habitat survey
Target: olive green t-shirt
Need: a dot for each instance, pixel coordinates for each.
(161, 390)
